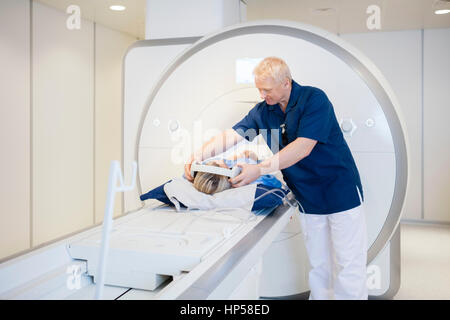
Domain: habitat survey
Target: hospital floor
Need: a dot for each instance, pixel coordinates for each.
(425, 262)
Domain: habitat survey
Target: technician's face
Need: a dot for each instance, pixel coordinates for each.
(270, 90)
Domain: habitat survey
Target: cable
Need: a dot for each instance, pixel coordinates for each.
(252, 216)
(289, 203)
(283, 198)
(298, 202)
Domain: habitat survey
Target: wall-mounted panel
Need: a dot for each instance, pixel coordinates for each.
(63, 115)
(436, 124)
(14, 126)
(398, 55)
(110, 49)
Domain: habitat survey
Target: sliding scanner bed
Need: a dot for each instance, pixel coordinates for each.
(146, 250)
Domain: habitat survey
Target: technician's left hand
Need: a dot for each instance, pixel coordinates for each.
(249, 173)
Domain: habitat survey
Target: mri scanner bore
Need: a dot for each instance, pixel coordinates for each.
(364, 104)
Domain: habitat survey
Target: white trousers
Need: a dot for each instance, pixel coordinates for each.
(337, 249)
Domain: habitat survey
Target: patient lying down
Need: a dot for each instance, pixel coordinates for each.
(211, 183)
(205, 193)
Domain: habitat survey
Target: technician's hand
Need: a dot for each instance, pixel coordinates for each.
(187, 169)
(249, 173)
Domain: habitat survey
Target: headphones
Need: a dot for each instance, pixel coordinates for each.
(198, 167)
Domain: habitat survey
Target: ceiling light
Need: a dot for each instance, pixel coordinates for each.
(323, 11)
(441, 6)
(117, 8)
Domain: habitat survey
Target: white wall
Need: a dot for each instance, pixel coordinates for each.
(63, 123)
(398, 55)
(111, 47)
(416, 64)
(58, 135)
(14, 126)
(436, 119)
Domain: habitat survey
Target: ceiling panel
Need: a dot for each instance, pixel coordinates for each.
(337, 16)
(349, 16)
(130, 21)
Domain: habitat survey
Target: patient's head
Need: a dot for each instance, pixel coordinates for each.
(211, 183)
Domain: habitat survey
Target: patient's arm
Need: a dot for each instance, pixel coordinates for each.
(244, 154)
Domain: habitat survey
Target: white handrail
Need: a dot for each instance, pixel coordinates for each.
(114, 174)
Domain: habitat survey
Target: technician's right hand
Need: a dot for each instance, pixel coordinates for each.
(187, 169)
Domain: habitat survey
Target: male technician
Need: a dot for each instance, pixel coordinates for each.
(318, 167)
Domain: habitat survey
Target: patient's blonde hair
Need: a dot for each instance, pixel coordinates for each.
(209, 182)
(272, 67)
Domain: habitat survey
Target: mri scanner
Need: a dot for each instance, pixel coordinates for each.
(196, 87)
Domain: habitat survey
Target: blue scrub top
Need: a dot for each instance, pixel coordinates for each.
(326, 181)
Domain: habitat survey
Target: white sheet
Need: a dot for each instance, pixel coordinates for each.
(180, 190)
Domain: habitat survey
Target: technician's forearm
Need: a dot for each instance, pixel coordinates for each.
(291, 154)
